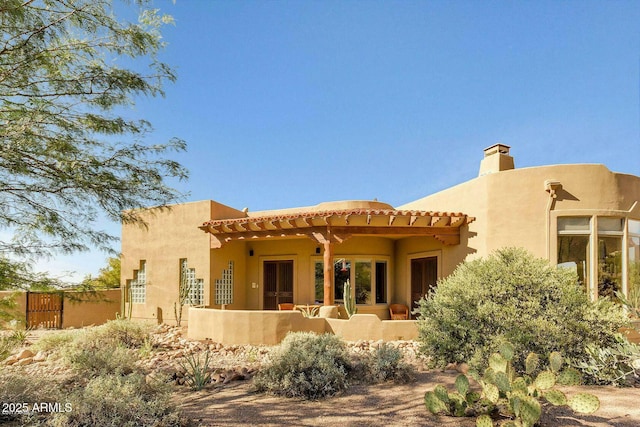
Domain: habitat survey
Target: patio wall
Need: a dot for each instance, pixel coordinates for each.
(270, 327)
(79, 309)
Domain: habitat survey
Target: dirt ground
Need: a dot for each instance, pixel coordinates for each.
(382, 405)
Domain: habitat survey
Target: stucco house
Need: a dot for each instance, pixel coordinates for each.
(579, 216)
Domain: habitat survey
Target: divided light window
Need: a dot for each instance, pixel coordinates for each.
(368, 278)
(592, 246)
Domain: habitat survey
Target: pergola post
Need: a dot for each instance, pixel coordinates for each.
(328, 272)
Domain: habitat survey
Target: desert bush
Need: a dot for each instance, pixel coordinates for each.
(306, 365)
(512, 296)
(55, 340)
(9, 341)
(16, 388)
(615, 364)
(117, 400)
(114, 346)
(386, 363)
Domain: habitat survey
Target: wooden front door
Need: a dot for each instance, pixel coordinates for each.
(278, 283)
(424, 276)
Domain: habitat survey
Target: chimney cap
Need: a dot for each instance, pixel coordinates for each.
(497, 149)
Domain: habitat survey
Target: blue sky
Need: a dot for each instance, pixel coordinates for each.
(291, 103)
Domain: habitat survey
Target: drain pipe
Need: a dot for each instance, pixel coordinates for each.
(552, 187)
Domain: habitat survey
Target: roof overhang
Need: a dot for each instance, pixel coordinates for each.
(339, 225)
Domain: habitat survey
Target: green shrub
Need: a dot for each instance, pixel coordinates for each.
(514, 297)
(115, 400)
(114, 346)
(55, 340)
(387, 364)
(306, 365)
(615, 364)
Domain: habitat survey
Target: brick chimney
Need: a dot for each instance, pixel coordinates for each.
(496, 159)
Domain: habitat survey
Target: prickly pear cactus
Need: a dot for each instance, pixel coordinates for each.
(545, 380)
(531, 363)
(555, 397)
(484, 420)
(584, 403)
(434, 404)
(555, 361)
(462, 384)
(530, 411)
(569, 376)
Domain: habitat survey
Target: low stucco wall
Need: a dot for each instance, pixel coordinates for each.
(248, 327)
(90, 309)
(270, 327)
(370, 327)
(79, 309)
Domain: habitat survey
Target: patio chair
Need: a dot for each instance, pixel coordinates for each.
(399, 312)
(285, 306)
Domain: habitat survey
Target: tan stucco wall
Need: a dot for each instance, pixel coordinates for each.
(90, 309)
(270, 327)
(79, 309)
(511, 206)
(248, 327)
(170, 235)
(20, 301)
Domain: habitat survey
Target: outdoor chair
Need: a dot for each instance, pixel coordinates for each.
(285, 306)
(399, 312)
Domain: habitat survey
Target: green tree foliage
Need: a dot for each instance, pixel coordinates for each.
(108, 277)
(511, 296)
(69, 150)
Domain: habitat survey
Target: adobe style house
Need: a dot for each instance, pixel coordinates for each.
(582, 216)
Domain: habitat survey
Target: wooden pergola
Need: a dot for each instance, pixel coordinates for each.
(328, 227)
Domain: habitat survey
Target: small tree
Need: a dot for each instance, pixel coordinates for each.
(67, 153)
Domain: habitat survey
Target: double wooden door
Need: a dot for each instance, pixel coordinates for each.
(278, 283)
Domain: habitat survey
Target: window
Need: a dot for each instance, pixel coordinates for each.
(194, 287)
(381, 282)
(224, 286)
(592, 246)
(138, 286)
(610, 232)
(573, 246)
(363, 282)
(368, 278)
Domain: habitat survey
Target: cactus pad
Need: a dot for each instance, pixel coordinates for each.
(434, 404)
(555, 397)
(484, 420)
(491, 392)
(555, 361)
(502, 382)
(498, 363)
(462, 384)
(545, 380)
(570, 376)
(441, 393)
(530, 411)
(507, 350)
(531, 363)
(584, 403)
